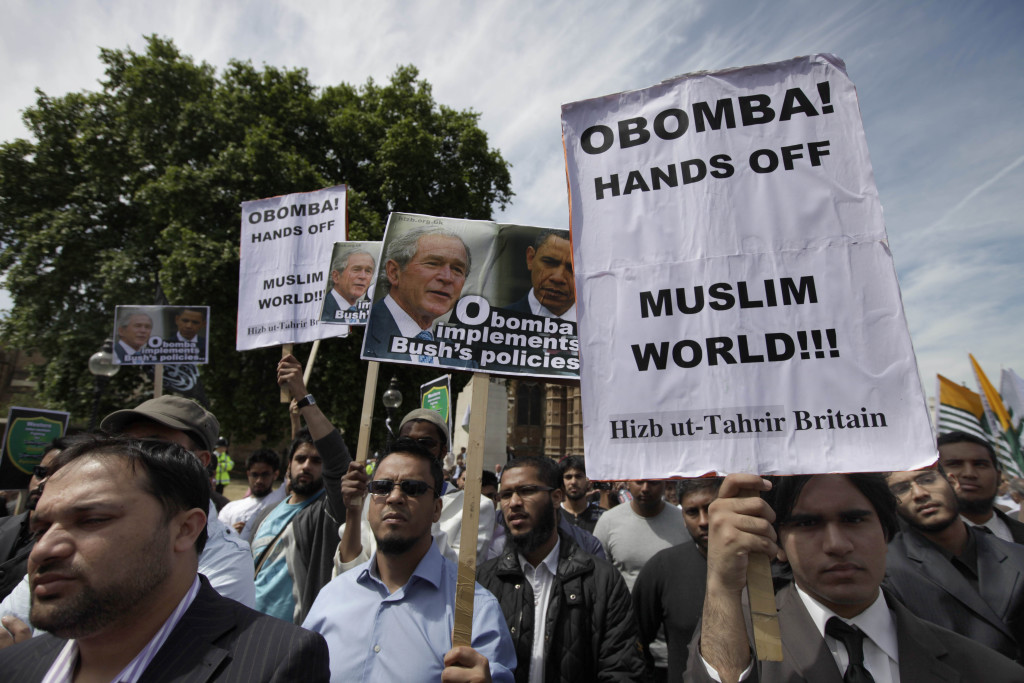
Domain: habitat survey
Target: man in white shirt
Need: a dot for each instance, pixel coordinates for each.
(832, 530)
(261, 468)
(114, 580)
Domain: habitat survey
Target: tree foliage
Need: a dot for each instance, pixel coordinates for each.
(140, 183)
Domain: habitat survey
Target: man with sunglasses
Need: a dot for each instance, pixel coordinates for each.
(391, 618)
(569, 613)
(951, 574)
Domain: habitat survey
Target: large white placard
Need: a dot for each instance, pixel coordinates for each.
(737, 302)
(286, 242)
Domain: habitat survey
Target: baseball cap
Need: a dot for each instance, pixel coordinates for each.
(175, 412)
(431, 416)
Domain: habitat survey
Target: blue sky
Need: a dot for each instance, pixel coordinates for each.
(941, 89)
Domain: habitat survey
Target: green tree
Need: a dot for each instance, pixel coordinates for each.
(140, 183)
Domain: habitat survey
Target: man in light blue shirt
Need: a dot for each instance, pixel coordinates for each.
(273, 536)
(391, 618)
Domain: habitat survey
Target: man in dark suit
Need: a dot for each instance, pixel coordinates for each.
(351, 275)
(832, 530)
(114, 580)
(553, 291)
(190, 323)
(951, 574)
(133, 330)
(972, 467)
(425, 270)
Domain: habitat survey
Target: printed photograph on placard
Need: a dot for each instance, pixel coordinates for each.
(349, 292)
(168, 335)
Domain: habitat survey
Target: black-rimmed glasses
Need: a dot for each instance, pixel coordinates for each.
(524, 492)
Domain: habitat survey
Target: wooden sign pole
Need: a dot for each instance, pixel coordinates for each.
(363, 445)
(286, 397)
(462, 633)
(309, 363)
(763, 615)
(158, 380)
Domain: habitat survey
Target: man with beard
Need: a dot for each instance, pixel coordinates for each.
(632, 534)
(952, 574)
(971, 465)
(273, 533)
(569, 613)
(391, 618)
(575, 508)
(261, 468)
(114, 579)
(669, 592)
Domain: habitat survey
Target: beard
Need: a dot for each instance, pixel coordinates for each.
(307, 489)
(975, 506)
(395, 546)
(934, 526)
(528, 541)
(96, 607)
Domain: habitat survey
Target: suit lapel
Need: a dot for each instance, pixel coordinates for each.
(937, 569)
(803, 646)
(920, 655)
(998, 578)
(189, 653)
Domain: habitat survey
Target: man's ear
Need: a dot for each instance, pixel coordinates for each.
(437, 509)
(392, 270)
(530, 253)
(185, 528)
(204, 457)
(557, 496)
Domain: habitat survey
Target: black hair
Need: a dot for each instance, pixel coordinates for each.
(872, 485)
(265, 455)
(488, 479)
(441, 438)
(547, 469)
(407, 446)
(174, 476)
(302, 437)
(572, 462)
(685, 487)
(964, 437)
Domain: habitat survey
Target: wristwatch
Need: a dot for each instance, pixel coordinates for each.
(306, 400)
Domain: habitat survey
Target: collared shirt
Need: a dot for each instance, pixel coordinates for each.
(247, 509)
(881, 645)
(542, 579)
(996, 525)
(537, 308)
(63, 668)
(407, 327)
(193, 340)
(376, 636)
(130, 354)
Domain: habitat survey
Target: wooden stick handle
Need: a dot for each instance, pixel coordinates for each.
(286, 397)
(309, 363)
(158, 380)
(465, 585)
(363, 445)
(763, 614)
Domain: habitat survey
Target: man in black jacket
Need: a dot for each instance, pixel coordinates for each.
(569, 613)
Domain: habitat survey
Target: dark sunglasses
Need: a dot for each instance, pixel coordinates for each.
(413, 488)
(40, 472)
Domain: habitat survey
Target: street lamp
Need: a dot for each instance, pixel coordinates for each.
(101, 365)
(391, 399)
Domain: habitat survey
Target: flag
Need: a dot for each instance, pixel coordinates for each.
(960, 410)
(1003, 436)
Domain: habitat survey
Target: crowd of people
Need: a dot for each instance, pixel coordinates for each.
(126, 569)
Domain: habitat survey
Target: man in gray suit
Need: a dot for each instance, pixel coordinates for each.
(952, 574)
(836, 623)
(114, 580)
(972, 467)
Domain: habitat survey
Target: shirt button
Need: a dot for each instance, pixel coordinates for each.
(376, 648)
(572, 596)
(517, 586)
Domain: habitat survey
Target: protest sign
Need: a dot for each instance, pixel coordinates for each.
(29, 431)
(437, 395)
(150, 335)
(738, 304)
(349, 277)
(496, 298)
(281, 277)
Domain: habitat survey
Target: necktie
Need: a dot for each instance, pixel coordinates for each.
(984, 530)
(426, 335)
(853, 638)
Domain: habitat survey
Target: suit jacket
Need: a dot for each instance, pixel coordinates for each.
(331, 308)
(932, 588)
(1016, 527)
(382, 327)
(926, 652)
(521, 306)
(217, 639)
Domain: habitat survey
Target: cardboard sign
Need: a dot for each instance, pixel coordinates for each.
(738, 306)
(168, 335)
(29, 431)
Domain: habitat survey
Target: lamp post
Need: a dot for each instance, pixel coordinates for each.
(101, 365)
(391, 399)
